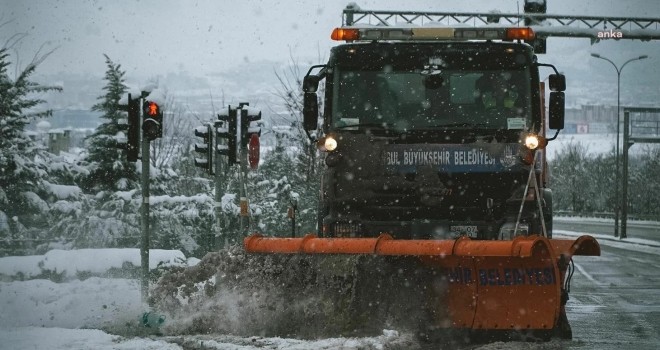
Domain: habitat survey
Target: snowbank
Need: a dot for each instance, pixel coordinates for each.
(74, 339)
(92, 303)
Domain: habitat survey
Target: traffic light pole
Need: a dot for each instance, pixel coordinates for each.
(218, 202)
(245, 214)
(154, 130)
(236, 130)
(144, 247)
(243, 122)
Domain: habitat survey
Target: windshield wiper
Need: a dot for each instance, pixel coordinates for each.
(458, 124)
(383, 126)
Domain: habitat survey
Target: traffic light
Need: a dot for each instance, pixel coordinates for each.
(227, 129)
(248, 116)
(538, 7)
(534, 6)
(152, 124)
(132, 128)
(206, 133)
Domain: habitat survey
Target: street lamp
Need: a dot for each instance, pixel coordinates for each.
(618, 116)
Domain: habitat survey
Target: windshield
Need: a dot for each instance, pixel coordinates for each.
(431, 99)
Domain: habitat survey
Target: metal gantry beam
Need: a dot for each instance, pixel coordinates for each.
(543, 24)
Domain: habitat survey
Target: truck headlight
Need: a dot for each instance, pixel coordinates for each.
(327, 143)
(533, 141)
(330, 144)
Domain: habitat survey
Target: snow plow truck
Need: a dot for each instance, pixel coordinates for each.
(434, 143)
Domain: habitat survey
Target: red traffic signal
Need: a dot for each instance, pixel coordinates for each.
(152, 109)
(152, 122)
(253, 151)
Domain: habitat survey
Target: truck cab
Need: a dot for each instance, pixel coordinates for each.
(433, 133)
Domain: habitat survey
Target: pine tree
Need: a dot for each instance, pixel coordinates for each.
(273, 189)
(110, 219)
(109, 169)
(23, 165)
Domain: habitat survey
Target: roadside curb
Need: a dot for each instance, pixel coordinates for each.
(599, 237)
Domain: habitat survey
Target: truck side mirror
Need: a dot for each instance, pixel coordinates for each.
(310, 102)
(310, 111)
(556, 110)
(557, 82)
(311, 83)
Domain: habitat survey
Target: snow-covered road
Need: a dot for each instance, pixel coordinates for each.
(82, 313)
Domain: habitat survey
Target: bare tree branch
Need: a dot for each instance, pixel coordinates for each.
(13, 40)
(39, 58)
(172, 144)
(290, 93)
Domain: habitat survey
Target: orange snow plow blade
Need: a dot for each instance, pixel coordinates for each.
(487, 285)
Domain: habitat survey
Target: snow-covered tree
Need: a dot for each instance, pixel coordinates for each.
(644, 182)
(272, 189)
(568, 174)
(109, 169)
(594, 175)
(290, 92)
(306, 163)
(182, 222)
(23, 165)
(600, 172)
(109, 215)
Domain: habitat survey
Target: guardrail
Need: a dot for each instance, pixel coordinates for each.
(604, 215)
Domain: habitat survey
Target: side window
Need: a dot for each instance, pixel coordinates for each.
(350, 91)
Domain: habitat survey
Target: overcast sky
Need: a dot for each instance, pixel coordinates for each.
(201, 36)
(153, 37)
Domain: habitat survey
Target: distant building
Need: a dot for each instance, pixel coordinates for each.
(590, 119)
(65, 129)
(59, 140)
(592, 114)
(70, 118)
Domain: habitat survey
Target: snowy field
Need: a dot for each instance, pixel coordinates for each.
(73, 314)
